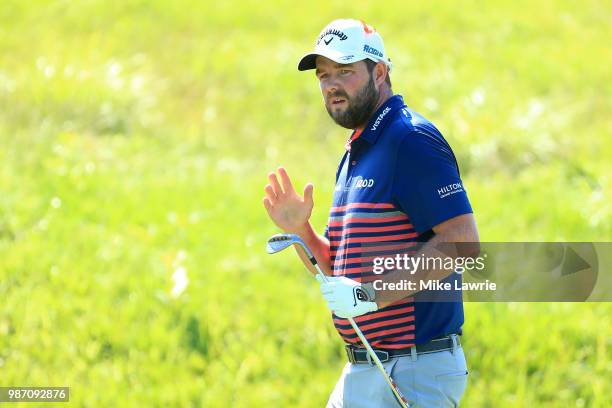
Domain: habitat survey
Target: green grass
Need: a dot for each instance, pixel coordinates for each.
(135, 138)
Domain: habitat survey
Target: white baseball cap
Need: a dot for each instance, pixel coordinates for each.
(346, 41)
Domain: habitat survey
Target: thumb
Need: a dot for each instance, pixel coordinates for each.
(308, 194)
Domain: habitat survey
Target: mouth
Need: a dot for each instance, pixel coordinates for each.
(337, 101)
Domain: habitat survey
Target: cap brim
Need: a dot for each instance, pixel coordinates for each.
(308, 61)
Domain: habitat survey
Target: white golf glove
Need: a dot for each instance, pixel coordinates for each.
(346, 297)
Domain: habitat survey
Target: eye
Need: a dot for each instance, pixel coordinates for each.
(323, 76)
(345, 72)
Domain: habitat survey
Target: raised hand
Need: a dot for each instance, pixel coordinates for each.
(289, 211)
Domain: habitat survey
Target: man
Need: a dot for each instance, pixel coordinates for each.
(397, 185)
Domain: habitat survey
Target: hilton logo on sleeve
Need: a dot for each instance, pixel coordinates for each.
(450, 189)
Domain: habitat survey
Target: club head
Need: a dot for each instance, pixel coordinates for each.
(278, 242)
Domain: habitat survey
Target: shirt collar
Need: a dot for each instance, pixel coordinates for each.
(378, 120)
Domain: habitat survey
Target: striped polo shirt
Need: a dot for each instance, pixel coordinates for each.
(391, 189)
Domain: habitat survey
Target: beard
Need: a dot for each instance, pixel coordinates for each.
(359, 107)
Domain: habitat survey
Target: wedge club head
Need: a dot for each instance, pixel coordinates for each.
(279, 242)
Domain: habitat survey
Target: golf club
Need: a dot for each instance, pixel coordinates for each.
(279, 242)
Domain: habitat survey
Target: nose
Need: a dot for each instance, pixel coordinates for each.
(329, 86)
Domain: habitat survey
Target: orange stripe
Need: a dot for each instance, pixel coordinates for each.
(368, 259)
(364, 320)
(376, 315)
(391, 323)
(371, 220)
(399, 330)
(366, 327)
(367, 272)
(350, 230)
(362, 205)
(364, 259)
(407, 336)
(383, 238)
(373, 248)
(384, 344)
(355, 269)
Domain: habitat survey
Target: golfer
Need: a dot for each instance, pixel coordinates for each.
(397, 186)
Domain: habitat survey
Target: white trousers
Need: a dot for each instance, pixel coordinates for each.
(427, 380)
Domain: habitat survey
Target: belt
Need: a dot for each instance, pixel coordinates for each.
(357, 355)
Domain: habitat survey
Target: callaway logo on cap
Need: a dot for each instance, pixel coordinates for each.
(345, 42)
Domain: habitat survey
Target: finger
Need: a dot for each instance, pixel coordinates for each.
(270, 194)
(268, 204)
(308, 194)
(274, 183)
(285, 180)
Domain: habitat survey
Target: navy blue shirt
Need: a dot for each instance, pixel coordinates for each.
(398, 179)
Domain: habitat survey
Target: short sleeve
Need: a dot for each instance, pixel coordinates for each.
(426, 183)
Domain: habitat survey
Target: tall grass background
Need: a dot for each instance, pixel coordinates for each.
(135, 139)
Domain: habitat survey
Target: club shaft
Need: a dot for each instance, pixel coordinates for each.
(398, 394)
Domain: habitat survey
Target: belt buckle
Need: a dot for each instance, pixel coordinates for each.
(350, 353)
(385, 355)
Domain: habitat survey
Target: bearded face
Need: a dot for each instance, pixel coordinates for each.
(353, 111)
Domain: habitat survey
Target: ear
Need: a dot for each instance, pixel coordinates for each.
(380, 73)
